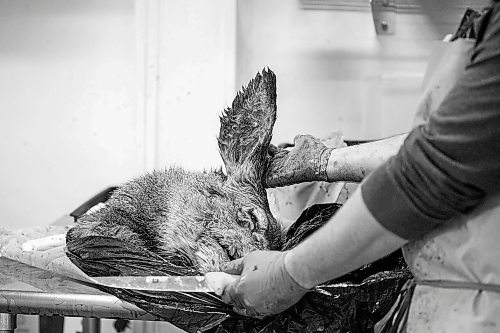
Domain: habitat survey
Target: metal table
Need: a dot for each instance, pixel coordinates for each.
(28, 290)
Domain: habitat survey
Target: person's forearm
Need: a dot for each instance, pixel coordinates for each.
(349, 240)
(354, 163)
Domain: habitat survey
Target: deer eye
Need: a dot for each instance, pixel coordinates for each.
(212, 192)
(254, 219)
(247, 219)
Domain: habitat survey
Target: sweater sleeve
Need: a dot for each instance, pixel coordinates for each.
(448, 166)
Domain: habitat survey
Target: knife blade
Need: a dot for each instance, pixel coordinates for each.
(157, 283)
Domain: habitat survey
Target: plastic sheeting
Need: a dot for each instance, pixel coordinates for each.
(351, 303)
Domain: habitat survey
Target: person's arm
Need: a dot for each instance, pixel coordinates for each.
(272, 281)
(311, 160)
(354, 163)
(351, 239)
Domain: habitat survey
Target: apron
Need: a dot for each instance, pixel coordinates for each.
(456, 266)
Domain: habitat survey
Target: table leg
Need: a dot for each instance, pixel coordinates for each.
(91, 325)
(50, 324)
(7, 322)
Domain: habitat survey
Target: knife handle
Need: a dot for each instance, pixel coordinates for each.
(220, 280)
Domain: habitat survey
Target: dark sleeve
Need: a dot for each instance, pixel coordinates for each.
(451, 164)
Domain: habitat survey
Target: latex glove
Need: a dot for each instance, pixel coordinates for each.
(305, 162)
(264, 288)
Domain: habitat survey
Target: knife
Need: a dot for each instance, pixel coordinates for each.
(212, 282)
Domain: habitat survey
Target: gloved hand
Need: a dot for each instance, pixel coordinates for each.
(307, 161)
(264, 288)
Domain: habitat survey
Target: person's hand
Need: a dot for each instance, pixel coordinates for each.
(305, 162)
(264, 288)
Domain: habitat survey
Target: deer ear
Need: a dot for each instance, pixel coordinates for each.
(246, 128)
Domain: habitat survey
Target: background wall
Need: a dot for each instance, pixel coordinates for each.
(68, 119)
(93, 93)
(333, 71)
(195, 79)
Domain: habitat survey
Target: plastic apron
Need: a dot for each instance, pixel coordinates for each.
(456, 266)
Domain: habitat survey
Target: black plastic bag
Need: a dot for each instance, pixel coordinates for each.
(351, 303)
